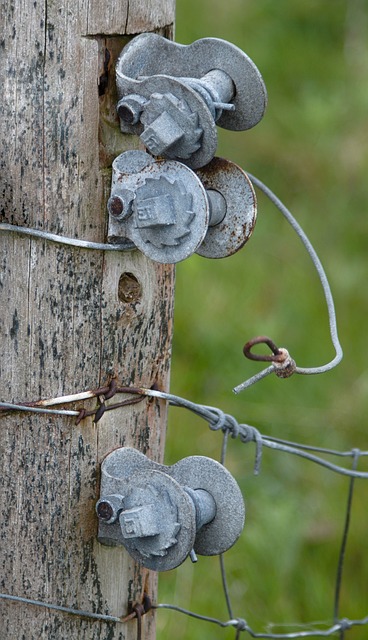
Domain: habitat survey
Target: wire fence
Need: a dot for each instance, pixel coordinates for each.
(282, 365)
(217, 420)
(340, 625)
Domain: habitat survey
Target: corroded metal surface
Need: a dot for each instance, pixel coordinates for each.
(234, 230)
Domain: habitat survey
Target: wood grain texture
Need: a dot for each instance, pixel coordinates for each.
(69, 317)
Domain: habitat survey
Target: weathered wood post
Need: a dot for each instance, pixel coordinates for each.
(70, 318)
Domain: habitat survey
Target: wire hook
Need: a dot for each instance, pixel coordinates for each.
(277, 354)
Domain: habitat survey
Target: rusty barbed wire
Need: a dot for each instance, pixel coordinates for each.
(217, 420)
(102, 394)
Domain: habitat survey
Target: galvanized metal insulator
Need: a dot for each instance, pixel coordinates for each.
(174, 96)
(168, 513)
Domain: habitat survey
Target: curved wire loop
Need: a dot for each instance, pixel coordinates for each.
(273, 368)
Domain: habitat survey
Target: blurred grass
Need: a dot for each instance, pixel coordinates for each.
(311, 149)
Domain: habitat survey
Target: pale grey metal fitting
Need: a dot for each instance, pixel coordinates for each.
(173, 95)
(169, 212)
(162, 514)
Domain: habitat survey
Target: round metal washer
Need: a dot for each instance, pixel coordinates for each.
(174, 171)
(199, 472)
(130, 162)
(147, 550)
(230, 235)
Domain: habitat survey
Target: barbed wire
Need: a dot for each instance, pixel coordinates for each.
(283, 365)
(217, 420)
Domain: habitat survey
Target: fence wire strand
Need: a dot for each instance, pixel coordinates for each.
(339, 626)
(217, 420)
(326, 290)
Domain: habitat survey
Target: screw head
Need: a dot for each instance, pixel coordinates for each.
(108, 508)
(130, 108)
(115, 206)
(126, 113)
(119, 205)
(104, 510)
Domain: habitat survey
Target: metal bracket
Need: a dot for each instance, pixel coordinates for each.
(161, 514)
(168, 213)
(173, 95)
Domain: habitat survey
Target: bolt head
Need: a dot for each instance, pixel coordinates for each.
(108, 508)
(130, 108)
(162, 134)
(140, 522)
(115, 206)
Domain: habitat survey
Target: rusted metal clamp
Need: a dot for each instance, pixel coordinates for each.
(138, 610)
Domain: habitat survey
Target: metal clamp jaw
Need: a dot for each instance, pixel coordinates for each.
(169, 212)
(173, 95)
(161, 514)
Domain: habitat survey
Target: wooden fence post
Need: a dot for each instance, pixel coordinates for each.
(70, 318)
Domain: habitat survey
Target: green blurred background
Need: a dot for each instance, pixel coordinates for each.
(311, 149)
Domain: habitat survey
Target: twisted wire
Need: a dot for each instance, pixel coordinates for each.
(241, 625)
(218, 420)
(275, 368)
